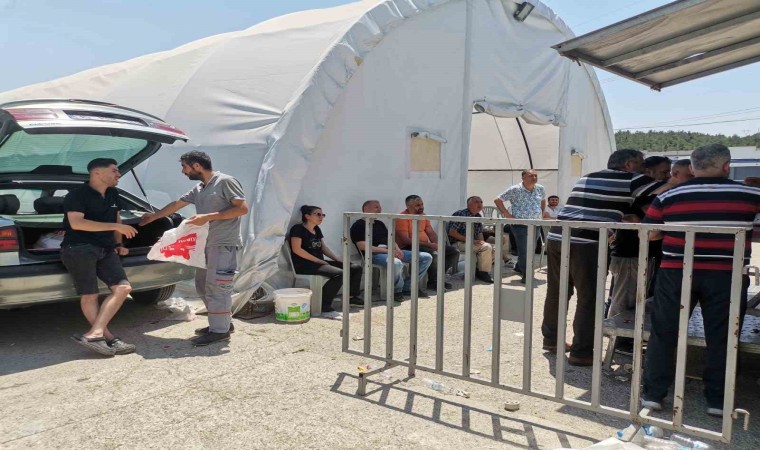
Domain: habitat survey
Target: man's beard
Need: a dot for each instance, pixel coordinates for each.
(194, 176)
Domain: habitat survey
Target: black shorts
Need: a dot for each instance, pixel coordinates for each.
(86, 263)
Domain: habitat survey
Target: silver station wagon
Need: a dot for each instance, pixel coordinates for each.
(45, 146)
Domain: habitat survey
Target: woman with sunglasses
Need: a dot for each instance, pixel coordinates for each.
(308, 250)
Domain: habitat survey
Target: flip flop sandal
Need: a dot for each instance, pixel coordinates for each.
(97, 344)
(120, 347)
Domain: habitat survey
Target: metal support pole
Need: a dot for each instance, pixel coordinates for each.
(439, 307)
(496, 325)
(564, 279)
(390, 287)
(415, 270)
(346, 280)
(601, 279)
(467, 329)
(734, 330)
(638, 329)
(528, 316)
(683, 329)
(368, 285)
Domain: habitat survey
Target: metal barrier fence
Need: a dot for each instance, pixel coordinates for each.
(635, 413)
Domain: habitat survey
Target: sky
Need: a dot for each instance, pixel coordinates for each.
(42, 40)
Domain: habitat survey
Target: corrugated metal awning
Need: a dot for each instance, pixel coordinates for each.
(678, 42)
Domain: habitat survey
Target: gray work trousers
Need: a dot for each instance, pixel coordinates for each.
(214, 286)
(625, 271)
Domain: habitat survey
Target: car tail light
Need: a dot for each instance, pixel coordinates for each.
(8, 239)
(166, 127)
(32, 114)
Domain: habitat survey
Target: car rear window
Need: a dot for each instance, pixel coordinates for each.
(23, 152)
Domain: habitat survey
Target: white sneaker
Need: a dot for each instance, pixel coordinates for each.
(334, 315)
(717, 412)
(651, 404)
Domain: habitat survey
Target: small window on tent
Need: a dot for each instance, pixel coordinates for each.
(425, 153)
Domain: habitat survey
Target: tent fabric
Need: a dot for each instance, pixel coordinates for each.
(318, 107)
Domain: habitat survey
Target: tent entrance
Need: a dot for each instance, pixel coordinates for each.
(501, 148)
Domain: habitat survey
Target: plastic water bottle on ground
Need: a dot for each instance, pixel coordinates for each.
(653, 443)
(435, 385)
(636, 435)
(686, 442)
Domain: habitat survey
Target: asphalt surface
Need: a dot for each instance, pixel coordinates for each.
(290, 386)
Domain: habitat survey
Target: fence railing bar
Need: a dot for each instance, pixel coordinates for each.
(439, 307)
(734, 330)
(467, 328)
(414, 308)
(346, 282)
(638, 328)
(564, 279)
(683, 329)
(368, 285)
(496, 327)
(528, 314)
(601, 282)
(390, 288)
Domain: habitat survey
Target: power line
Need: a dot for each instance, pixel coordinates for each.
(688, 124)
(708, 116)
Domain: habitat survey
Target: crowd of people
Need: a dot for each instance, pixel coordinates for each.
(630, 190)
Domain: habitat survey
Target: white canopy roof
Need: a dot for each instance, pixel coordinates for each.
(317, 107)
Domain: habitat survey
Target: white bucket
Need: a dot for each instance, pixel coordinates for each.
(292, 305)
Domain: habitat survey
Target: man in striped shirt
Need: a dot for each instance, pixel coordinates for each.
(710, 198)
(603, 196)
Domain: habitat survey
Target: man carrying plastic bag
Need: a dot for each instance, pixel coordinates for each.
(219, 202)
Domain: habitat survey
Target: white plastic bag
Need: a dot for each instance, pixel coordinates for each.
(185, 244)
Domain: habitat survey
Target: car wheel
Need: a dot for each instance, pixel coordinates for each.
(153, 296)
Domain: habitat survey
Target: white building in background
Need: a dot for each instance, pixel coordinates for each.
(745, 161)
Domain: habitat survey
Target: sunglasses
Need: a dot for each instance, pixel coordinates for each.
(318, 214)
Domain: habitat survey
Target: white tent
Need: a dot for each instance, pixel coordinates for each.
(320, 107)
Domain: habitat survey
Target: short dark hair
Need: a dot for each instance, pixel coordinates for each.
(654, 161)
(618, 158)
(525, 171)
(411, 198)
(553, 196)
(307, 209)
(101, 163)
(194, 157)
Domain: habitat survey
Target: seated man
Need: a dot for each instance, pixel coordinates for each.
(483, 250)
(381, 248)
(428, 241)
(552, 209)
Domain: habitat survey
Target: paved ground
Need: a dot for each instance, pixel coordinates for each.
(289, 386)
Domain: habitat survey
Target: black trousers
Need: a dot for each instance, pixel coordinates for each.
(582, 278)
(712, 289)
(334, 273)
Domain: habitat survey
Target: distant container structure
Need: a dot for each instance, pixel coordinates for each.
(745, 161)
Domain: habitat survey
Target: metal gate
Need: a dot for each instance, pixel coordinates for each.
(634, 413)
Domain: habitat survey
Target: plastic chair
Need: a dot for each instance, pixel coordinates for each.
(316, 283)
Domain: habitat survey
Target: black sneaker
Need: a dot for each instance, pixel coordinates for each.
(210, 338)
(204, 330)
(484, 277)
(356, 301)
(398, 297)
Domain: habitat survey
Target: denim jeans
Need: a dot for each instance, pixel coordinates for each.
(401, 284)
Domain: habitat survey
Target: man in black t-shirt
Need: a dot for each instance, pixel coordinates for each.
(381, 248)
(90, 250)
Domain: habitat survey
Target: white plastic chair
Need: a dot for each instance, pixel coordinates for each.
(316, 283)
